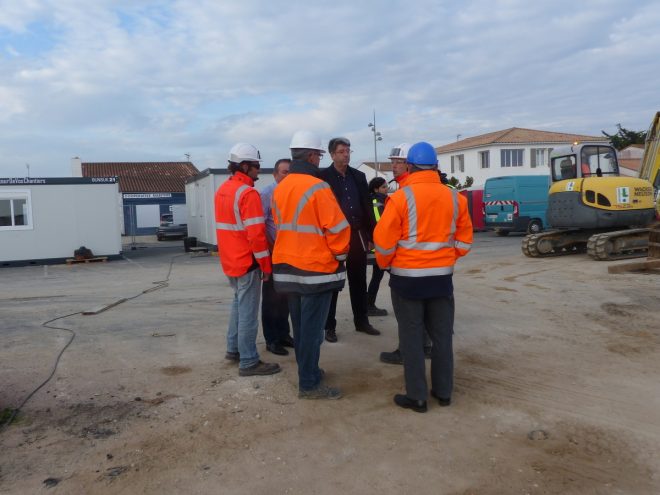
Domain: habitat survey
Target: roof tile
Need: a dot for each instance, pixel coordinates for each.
(516, 135)
(144, 176)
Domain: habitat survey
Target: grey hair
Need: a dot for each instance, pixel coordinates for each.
(301, 153)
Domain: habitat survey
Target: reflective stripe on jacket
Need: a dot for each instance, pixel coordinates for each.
(240, 227)
(312, 234)
(377, 206)
(424, 229)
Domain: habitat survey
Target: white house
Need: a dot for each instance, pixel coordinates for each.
(512, 151)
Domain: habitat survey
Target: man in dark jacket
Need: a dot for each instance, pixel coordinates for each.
(350, 188)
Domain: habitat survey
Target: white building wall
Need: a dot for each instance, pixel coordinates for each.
(473, 165)
(65, 217)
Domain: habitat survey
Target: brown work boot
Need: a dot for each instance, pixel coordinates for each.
(320, 392)
(260, 368)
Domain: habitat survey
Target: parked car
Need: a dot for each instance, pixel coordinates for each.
(170, 230)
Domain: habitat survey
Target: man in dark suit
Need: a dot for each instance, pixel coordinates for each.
(350, 188)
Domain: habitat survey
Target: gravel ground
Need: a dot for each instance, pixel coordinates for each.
(556, 386)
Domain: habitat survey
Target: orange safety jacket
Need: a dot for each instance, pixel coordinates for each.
(424, 229)
(240, 227)
(401, 179)
(312, 234)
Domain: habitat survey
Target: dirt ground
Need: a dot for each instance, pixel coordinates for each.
(557, 388)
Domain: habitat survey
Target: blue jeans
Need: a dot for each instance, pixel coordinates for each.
(308, 315)
(243, 322)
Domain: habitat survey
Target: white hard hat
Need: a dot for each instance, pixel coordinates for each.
(400, 151)
(244, 152)
(306, 140)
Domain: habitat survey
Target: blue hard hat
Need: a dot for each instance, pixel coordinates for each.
(422, 155)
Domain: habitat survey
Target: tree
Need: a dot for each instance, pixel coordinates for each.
(454, 182)
(625, 137)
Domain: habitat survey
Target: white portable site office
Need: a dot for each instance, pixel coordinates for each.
(200, 193)
(44, 220)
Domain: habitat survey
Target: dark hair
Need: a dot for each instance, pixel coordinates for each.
(375, 183)
(234, 167)
(276, 167)
(334, 142)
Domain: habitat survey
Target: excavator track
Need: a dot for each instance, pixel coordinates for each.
(619, 245)
(555, 243)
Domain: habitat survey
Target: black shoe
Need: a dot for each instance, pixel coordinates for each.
(330, 335)
(444, 402)
(232, 356)
(260, 368)
(277, 348)
(393, 357)
(368, 329)
(287, 341)
(375, 311)
(416, 405)
(427, 352)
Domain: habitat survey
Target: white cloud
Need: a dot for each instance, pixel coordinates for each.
(158, 79)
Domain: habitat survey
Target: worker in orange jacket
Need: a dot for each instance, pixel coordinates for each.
(398, 157)
(311, 244)
(424, 229)
(244, 256)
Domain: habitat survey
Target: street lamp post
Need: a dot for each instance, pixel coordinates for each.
(377, 137)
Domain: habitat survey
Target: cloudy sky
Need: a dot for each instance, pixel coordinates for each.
(141, 80)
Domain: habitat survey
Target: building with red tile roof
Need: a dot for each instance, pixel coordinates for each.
(514, 151)
(150, 191)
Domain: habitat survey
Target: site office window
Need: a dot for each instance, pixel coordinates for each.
(511, 158)
(15, 210)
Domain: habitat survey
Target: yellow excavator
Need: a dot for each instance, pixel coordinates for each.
(592, 208)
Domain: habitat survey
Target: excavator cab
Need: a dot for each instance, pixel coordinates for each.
(588, 192)
(588, 202)
(595, 160)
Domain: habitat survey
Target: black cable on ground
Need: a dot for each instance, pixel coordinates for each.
(160, 284)
(52, 373)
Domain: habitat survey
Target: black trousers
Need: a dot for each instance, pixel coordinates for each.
(274, 313)
(356, 273)
(376, 277)
(416, 317)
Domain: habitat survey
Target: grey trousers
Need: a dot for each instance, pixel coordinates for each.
(416, 317)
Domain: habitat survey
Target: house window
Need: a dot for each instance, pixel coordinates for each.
(484, 159)
(457, 163)
(511, 158)
(539, 157)
(15, 210)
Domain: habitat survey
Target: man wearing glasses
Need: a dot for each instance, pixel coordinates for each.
(244, 256)
(350, 188)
